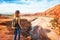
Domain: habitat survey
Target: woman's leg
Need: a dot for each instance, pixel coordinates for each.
(18, 31)
(15, 34)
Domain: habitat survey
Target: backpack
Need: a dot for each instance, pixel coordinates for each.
(15, 23)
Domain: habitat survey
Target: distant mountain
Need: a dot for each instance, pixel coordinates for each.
(54, 11)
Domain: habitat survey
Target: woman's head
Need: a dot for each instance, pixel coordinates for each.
(16, 14)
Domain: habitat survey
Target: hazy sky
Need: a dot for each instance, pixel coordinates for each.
(30, 6)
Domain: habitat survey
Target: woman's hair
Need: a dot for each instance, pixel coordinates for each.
(17, 12)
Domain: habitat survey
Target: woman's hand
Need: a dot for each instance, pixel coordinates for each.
(13, 28)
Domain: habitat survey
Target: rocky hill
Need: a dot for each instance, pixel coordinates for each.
(54, 11)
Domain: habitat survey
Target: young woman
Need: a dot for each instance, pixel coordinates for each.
(17, 25)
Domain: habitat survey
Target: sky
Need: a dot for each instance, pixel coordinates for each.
(26, 6)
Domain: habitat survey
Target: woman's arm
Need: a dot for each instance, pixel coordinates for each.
(19, 22)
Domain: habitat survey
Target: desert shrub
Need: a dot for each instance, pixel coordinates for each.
(55, 25)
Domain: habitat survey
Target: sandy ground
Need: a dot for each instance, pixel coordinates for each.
(6, 34)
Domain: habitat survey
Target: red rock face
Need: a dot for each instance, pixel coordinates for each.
(54, 11)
